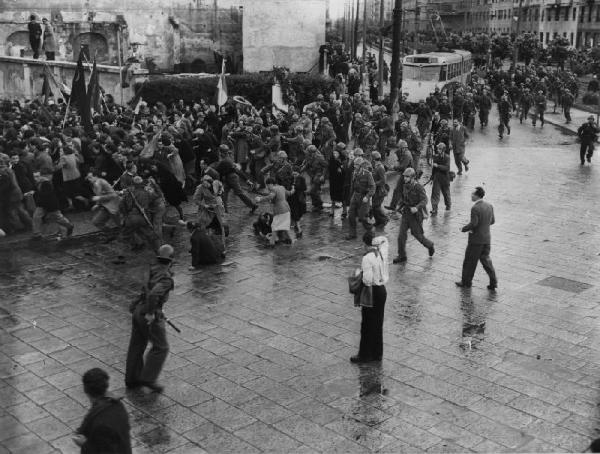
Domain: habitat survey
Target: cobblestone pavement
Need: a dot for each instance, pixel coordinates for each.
(262, 360)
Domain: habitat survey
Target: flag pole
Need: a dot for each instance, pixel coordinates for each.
(66, 112)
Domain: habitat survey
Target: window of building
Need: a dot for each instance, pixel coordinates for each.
(571, 38)
(567, 13)
(542, 16)
(547, 37)
(574, 12)
(557, 13)
(597, 14)
(542, 37)
(582, 14)
(590, 14)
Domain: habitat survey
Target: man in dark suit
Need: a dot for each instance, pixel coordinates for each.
(478, 247)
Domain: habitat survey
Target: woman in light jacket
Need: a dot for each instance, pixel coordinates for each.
(281, 211)
(49, 40)
(374, 267)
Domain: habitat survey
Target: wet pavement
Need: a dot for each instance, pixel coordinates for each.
(262, 360)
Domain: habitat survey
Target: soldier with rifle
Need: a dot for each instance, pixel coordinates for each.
(134, 208)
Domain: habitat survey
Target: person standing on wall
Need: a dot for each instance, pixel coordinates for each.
(49, 40)
(35, 35)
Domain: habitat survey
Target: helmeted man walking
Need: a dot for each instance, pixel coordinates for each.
(588, 133)
(413, 206)
(148, 325)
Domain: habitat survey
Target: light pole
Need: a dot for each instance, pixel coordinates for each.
(381, 14)
(397, 30)
(516, 47)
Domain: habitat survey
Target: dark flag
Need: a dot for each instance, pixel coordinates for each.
(46, 91)
(79, 95)
(93, 90)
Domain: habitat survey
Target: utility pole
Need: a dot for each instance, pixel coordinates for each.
(395, 79)
(381, 23)
(515, 46)
(364, 38)
(355, 43)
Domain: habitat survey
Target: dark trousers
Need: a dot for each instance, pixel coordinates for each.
(36, 43)
(483, 117)
(397, 193)
(524, 112)
(232, 183)
(371, 326)
(315, 193)
(358, 210)
(435, 195)
(136, 369)
(50, 55)
(459, 160)
(136, 230)
(541, 115)
(586, 150)
(477, 253)
(504, 124)
(567, 110)
(378, 213)
(410, 222)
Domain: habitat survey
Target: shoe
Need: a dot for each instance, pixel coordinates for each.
(155, 387)
(299, 235)
(331, 215)
(389, 207)
(459, 172)
(431, 250)
(344, 215)
(70, 230)
(399, 260)
(462, 284)
(253, 209)
(493, 286)
(350, 237)
(582, 164)
(448, 208)
(508, 131)
(182, 222)
(467, 165)
(589, 159)
(433, 212)
(359, 359)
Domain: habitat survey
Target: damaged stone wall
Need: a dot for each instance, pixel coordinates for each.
(164, 34)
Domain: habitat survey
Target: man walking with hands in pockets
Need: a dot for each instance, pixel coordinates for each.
(478, 247)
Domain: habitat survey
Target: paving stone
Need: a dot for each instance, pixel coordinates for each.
(262, 360)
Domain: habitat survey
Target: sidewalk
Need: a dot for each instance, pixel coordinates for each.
(578, 117)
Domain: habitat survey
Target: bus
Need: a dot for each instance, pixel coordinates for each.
(422, 73)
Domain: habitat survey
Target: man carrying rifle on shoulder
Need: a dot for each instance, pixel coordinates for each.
(148, 325)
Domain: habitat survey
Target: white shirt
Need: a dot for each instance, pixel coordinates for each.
(374, 264)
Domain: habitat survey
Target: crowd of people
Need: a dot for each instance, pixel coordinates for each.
(138, 168)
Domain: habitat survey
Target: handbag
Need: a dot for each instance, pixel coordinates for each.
(355, 283)
(366, 296)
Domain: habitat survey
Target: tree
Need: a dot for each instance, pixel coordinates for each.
(501, 47)
(559, 51)
(529, 47)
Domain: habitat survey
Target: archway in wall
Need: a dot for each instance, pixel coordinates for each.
(93, 44)
(20, 39)
(198, 66)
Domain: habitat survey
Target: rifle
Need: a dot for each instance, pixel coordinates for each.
(141, 210)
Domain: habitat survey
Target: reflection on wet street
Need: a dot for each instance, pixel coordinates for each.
(262, 362)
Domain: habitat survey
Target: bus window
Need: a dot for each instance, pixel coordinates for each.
(411, 72)
(443, 73)
(430, 73)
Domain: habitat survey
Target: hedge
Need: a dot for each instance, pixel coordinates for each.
(590, 98)
(254, 87)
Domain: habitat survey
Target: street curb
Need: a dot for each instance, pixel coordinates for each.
(560, 125)
(49, 245)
